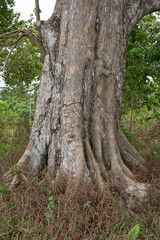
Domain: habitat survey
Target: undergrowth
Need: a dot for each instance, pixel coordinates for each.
(144, 137)
(42, 213)
(39, 213)
(12, 145)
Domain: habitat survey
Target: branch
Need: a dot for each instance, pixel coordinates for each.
(9, 54)
(37, 25)
(36, 41)
(7, 44)
(37, 10)
(10, 34)
(25, 33)
(137, 9)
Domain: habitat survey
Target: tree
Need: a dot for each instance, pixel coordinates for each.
(78, 110)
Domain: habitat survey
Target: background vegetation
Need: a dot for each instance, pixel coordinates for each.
(36, 212)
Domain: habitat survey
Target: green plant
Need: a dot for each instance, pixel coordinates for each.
(134, 232)
(16, 169)
(86, 204)
(51, 205)
(3, 191)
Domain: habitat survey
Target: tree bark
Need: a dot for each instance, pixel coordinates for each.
(77, 118)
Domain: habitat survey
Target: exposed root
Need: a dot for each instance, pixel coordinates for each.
(128, 188)
(11, 180)
(129, 154)
(95, 166)
(116, 162)
(124, 168)
(131, 161)
(121, 177)
(97, 148)
(14, 182)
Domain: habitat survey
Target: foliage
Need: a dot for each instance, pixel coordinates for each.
(134, 232)
(144, 136)
(8, 19)
(16, 169)
(14, 108)
(24, 67)
(25, 63)
(142, 87)
(141, 101)
(15, 125)
(3, 191)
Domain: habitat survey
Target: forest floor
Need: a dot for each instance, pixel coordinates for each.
(41, 213)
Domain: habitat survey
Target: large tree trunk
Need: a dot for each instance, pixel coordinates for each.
(76, 125)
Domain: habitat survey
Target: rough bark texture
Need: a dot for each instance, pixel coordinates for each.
(76, 125)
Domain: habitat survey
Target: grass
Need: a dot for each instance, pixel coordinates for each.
(41, 213)
(24, 214)
(144, 137)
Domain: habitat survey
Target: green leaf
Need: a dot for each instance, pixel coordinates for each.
(134, 232)
(87, 204)
(3, 191)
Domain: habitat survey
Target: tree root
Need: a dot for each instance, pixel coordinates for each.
(95, 166)
(119, 177)
(129, 154)
(11, 180)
